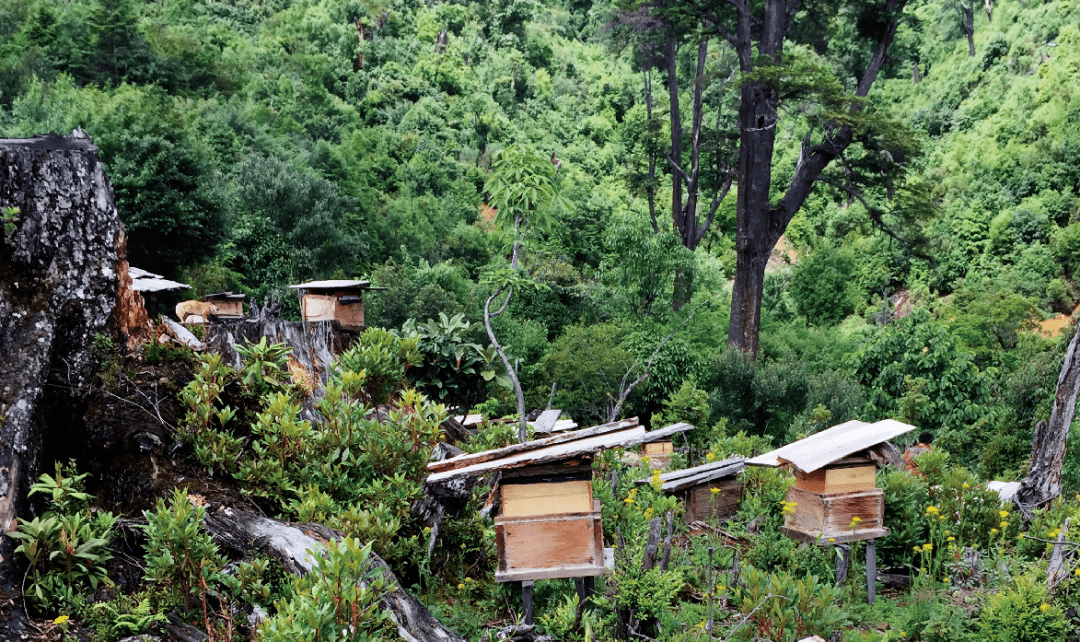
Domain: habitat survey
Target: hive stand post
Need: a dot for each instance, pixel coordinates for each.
(526, 601)
(584, 586)
(843, 562)
(871, 570)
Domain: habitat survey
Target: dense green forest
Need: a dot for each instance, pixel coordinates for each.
(259, 143)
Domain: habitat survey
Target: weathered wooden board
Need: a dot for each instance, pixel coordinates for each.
(550, 546)
(824, 516)
(546, 421)
(720, 468)
(687, 478)
(832, 445)
(551, 454)
(837, 480)
(521, 500)
(470, 459)
(318, 307)
(659, 448)
(702, 504)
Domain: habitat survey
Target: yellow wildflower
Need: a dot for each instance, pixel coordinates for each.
(714, 491)
(710, 457)
(460, 586)
(1003, 513)
(1044, 607)
(832, 539)
(928, 546)
(951, 539)
(1004, 524)
(994, 531)
(966, 485)
(628, 500)
(1020, 536)
(932, 510)
(62, 620)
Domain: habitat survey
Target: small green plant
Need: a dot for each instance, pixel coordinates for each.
(266, 366)
(123, 616)
(180, 555)
(163, 353)
(67, 545)
(782, 608)
(337, 601)
(1021, 613)
(106, 350)
(8, 217)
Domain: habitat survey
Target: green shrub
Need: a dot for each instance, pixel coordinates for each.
(787, 608)
(68, 545)
(931, 617)
(180, 555)
(375, 366)
(339, 600)
(1021, 613)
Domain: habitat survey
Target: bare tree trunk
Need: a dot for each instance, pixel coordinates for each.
(519, 395)
(989, 11)
(58, 288)
(916, 79)
(969, 27)
(1043, 482)
(760, 225)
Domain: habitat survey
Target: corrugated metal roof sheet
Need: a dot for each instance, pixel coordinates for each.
(333, 284)
(143, 281)
(827, 446)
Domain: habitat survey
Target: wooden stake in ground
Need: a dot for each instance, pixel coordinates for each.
(1043, 482)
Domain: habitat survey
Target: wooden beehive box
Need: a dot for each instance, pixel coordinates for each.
(834, 495)
(549, 526)
(227, 305)
(341, 301)
(695, 486)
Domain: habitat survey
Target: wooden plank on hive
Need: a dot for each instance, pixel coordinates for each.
(551, 454)
(659, 448)
(318, 307)
(837, 480)
(716, 473)
(846, 480)
(470, 459)
(519, 500)
(546, 421)
(695, 470)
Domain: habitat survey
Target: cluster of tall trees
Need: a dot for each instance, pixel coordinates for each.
(254, 144)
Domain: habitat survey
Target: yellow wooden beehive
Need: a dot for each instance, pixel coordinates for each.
(548, 529)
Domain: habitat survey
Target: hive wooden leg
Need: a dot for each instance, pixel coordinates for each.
(871, 571)
(526, 601)
(843, 562)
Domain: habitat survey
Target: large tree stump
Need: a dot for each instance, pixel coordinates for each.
(58, 287)
(1043, 482)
